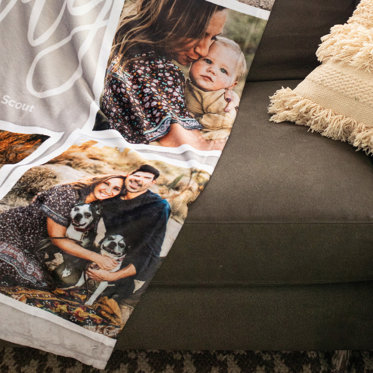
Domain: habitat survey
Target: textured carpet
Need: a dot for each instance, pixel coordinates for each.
(27, 360)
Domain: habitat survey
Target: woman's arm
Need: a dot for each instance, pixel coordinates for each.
(55, 231)
(178, 135)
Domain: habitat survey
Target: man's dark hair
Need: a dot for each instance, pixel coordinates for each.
(147, 168)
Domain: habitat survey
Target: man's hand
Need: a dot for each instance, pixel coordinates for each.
(105, 275)
(104, 262)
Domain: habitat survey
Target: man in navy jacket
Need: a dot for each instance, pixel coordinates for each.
(140, 216)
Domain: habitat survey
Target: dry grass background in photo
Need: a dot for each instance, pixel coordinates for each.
(180, 186)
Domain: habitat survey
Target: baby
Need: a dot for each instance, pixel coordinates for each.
(210, 77)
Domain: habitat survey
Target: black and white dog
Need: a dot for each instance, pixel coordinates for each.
(83, 230)
(84, 217)
(112, 246)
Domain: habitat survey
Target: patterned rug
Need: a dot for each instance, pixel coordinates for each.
(27, 360)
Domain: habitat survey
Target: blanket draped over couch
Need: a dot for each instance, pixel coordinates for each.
(101, 152)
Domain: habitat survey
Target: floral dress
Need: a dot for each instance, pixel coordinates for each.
(22, 229)
(143, 99)
(23, 276)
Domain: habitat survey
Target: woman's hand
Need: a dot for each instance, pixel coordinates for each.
(101, 275)
(232, 100)
(178, 135)
(57, 234)
(104, 262)
(35, 197)
(104, 275)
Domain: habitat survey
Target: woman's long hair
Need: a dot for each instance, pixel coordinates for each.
(87, 186)
(160, 26)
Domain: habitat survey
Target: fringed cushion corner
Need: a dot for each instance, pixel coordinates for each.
(336, 99)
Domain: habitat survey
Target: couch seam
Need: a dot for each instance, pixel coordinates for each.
(197, 222)
(256, 285)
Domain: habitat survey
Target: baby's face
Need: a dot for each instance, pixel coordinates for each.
(215, 71)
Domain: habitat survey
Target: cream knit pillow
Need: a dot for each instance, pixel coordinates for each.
(336, 99)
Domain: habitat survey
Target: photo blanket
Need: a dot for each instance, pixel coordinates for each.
(113, 116)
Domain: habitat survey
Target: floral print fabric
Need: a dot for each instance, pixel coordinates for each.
(19, 267)
(23, 228)
(143, 99)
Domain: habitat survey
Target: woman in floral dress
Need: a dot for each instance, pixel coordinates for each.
(47, 217)
(144, 88)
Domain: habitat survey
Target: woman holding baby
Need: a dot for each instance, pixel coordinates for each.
(47, 217)
(144, 95)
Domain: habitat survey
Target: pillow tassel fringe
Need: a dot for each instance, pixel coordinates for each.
(286, 105)
(363, 14)
(351, 44)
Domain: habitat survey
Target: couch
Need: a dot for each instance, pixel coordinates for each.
(276, 253)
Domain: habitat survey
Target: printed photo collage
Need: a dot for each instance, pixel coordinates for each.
(109, 129)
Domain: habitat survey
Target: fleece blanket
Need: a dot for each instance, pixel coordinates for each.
(113, 116)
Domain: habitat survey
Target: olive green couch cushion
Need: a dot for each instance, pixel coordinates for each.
(284, 207)
(277, 252)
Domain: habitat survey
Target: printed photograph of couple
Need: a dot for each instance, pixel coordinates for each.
(82, 235)
(176, 72)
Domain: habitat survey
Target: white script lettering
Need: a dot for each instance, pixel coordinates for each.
(7, 100)
(48, 42)
(8, 7)
(91, 33)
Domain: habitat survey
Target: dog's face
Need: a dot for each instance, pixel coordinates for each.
(114, 245)
(82, 216)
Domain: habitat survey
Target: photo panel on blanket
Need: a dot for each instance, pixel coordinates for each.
(14, 147)
(99, 212)
(179, 88)
(109, 129)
